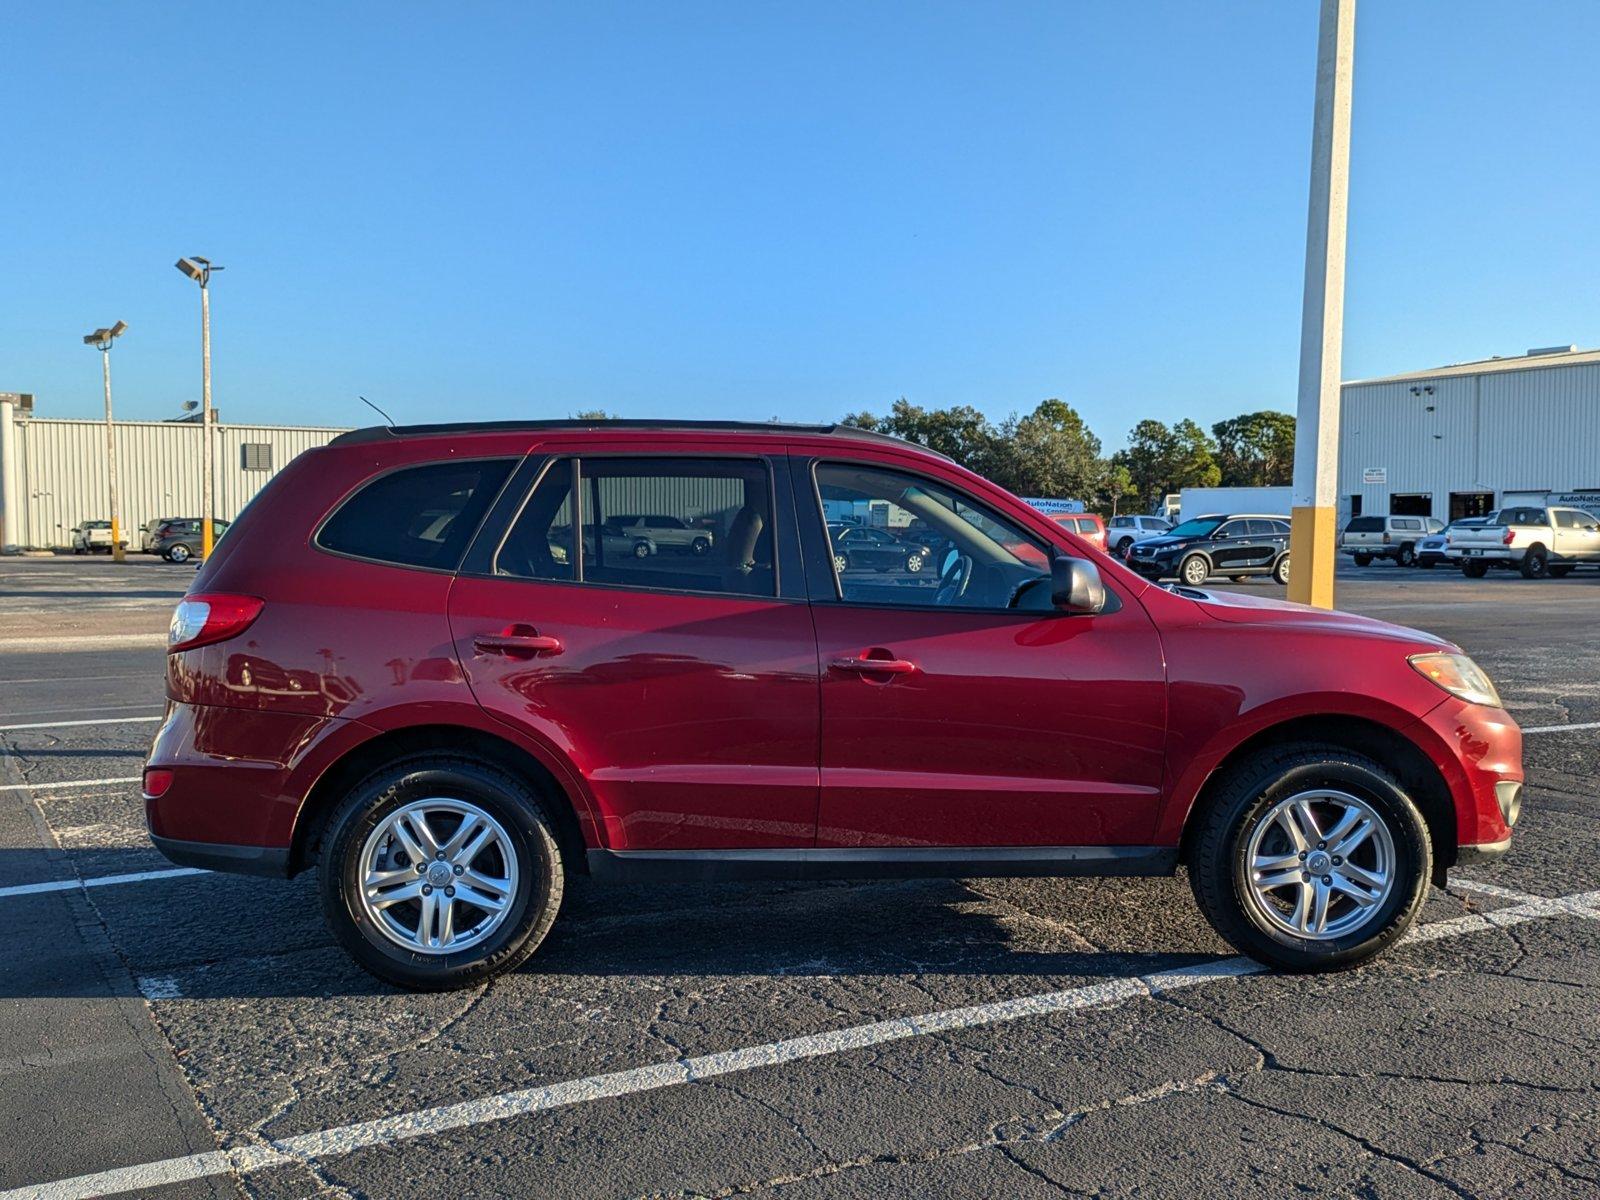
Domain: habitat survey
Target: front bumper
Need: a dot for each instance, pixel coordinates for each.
(1484, 852)
(1153, 568)
(1479, 751)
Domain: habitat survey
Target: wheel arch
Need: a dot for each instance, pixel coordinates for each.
(392, 745)
(1417, 772)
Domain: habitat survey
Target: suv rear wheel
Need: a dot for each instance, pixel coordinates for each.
(1311, 858)
(440, 872)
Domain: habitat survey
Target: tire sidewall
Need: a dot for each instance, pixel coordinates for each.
(1413, 852)
(1183, 570)
(538, 861)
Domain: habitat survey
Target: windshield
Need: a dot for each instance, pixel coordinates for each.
(1199, 527)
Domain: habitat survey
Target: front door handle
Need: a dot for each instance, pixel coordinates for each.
(518, 641)
(874, 666)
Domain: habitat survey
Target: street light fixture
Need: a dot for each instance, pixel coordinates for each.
(199, 269)
(101, 340)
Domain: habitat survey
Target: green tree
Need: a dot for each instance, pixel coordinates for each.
(593, 414)
(1115, 488)
(962, 432)
(1161, 459)
(1256, 449)
(1049, 452)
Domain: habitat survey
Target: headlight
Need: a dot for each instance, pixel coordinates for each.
(1458, 675)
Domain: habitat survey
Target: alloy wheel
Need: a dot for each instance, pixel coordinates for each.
(438, 876)
(1320, 865)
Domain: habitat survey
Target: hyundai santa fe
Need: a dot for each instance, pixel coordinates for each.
(406, 669)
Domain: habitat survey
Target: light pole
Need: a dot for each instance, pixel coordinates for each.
(101, 340)
(1316, 437)
(199, 269)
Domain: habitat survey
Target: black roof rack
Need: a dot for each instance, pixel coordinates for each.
(380, 433)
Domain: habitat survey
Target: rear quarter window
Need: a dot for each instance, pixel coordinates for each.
(420, 516)
(1365, 525)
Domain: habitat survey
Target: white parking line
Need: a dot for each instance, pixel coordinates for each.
(428, 1122)
(90, 641)
(69, 783)
(93, 721)
(1562, 728)
(69, 885)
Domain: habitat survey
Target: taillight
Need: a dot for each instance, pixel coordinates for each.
(1385, 537)
(1508, 538)
(209, 617)
(156, 782)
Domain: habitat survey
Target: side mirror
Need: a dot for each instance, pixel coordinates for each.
(1075, 586)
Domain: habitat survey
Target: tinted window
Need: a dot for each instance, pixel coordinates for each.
(1408, 523)
(708, 527)
(1520, 516)
(1086, 525)
(1199, 527)
(1365, 525)
(1122, 522)
(964, 556)
(417, 516)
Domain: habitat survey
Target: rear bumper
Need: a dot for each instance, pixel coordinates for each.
(222, 856)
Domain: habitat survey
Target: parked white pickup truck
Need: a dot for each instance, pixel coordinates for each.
(1536, 541)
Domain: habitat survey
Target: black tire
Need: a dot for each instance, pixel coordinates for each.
(1122, 546)
(1363, 560)
(1218, 874)
(178, 553)
(1194, 570)
(1407, 557)
(641, 549)
(700, 546)
(1280, 571)
(505, 797)
(1536, 563)
(1238, 579)
(1473, 569)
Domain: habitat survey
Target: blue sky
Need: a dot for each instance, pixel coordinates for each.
(749, 210)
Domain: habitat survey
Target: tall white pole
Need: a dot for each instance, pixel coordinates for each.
(208, 505)
(111, 456)
(1316, 442)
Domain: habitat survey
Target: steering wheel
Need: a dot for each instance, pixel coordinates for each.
(953, 582)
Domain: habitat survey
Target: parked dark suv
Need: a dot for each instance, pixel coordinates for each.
(1237, 545)
(412, 667)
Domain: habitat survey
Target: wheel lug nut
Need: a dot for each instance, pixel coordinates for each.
(421, 867)
(1302, 858)
(1337, 861)
(449, 891)
(426, 890)
(1322, 845)
(440, 856)
(1327, 879)
(459, 870)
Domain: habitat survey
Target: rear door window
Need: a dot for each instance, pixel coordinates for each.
(420, 516)
(709, 528)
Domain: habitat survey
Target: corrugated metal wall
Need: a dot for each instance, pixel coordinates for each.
(1532, 430)
(62, 472)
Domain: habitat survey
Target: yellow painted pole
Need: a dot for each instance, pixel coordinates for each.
(1313, 534)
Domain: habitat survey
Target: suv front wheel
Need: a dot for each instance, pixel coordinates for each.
(440, 872)
(1310, 858)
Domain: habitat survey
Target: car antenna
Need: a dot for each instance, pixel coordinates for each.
(387, 418)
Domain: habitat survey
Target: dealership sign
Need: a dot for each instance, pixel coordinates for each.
(1375, 475)
(1040, 504)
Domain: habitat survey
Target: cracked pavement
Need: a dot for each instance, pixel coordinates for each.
(180, 1016)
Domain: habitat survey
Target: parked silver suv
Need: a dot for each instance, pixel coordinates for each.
(1124, 531)
(1394, 538)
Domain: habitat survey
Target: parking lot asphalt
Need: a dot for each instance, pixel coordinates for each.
(199, 1034)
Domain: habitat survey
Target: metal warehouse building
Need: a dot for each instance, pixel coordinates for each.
(53, 470)
(1461, 440)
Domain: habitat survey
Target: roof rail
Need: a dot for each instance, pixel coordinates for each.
(380, 433)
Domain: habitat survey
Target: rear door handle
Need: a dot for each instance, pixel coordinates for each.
(517, 645)
(874, 666)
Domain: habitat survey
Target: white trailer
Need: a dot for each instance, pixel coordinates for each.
(1268, 501)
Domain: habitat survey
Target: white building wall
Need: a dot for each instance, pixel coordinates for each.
(59, 469)
(1528, 432)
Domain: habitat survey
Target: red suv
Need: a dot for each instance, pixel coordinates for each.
(424, 662)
